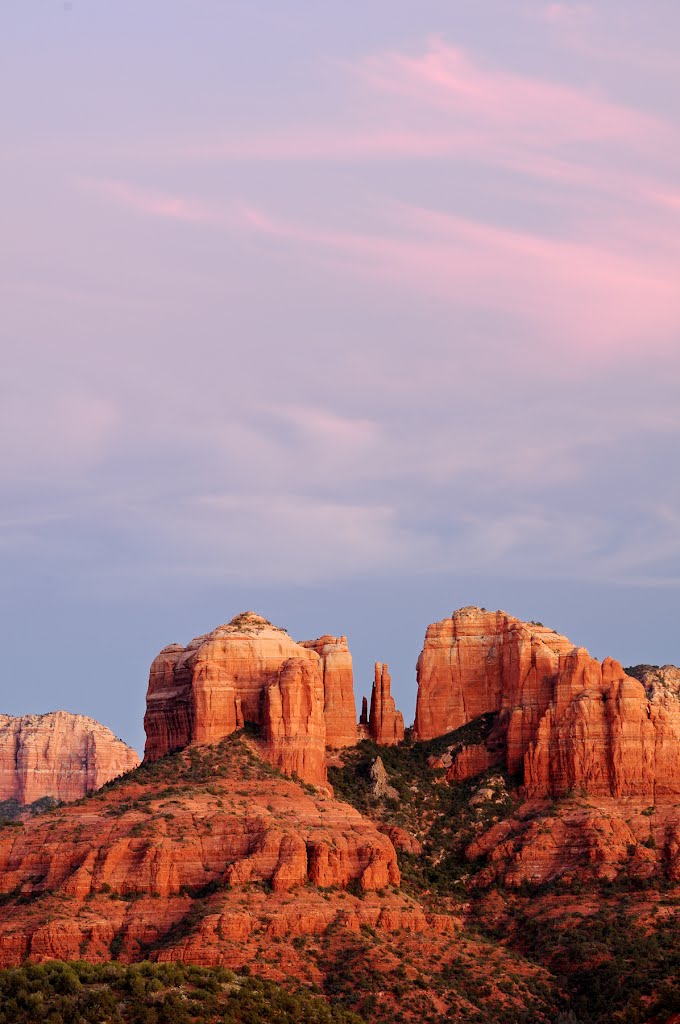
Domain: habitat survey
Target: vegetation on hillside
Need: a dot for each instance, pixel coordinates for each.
(168, 993)
(439, 815)
(613, 969)
(12, 810)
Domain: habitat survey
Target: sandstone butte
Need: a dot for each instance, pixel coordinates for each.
(210, 855)
(385, 723)
(565, 721)
(249, 671)
(58, 755)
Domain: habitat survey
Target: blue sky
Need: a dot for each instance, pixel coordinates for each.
(347, 317)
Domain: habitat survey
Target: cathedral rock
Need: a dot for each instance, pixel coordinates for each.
(301, 695)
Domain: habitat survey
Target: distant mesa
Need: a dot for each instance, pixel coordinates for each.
(59, 756)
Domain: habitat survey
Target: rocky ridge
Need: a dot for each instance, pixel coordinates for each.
(339, 707)
(536, 773)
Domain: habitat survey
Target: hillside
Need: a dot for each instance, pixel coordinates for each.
(515, 857)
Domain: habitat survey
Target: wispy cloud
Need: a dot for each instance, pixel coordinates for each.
(596, 291)
(584, 293)
(565, 13)
(149, 202)
(517, 108)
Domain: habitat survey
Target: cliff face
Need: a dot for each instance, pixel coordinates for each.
(250, 671)
(294, 721)
(339, 707)
(479, 661)
(565, 721)
(603, 735)
(58, 755)
(385, 723)
(206, 691)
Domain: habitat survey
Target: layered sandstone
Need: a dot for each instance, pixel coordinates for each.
(58, 755)
(385, 723)
(602, 735)
(600, 839)
(339, 707)
(565, 721)
(130, 861)
(478, 662)
(294, 727)
(205, 691)
(467, 762)
(302, 695)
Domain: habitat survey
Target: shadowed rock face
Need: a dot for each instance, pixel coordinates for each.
(565, 720)
(58, 755)
(251, 671)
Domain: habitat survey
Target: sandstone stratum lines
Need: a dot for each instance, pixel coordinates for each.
(267, 825)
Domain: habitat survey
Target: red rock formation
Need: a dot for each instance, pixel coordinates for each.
(206, 691)
(385, 723)
(597, 840)
(602, 735)
(363, 730)
(203, 692)
(124, 862)
(468, 762)
(401, 839)
(294, 721)
(567, 722)
(58, 755)
(339, 708)
(479, 661)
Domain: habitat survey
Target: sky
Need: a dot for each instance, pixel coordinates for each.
(348, 314)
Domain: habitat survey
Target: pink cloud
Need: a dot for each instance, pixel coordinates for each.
(566, 13)
(607, 288)
(522, 108)
(327, 429)
(587, 294)
(150, 202)
(341, 145)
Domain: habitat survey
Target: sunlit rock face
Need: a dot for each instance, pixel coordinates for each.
(385, 723)
(251, 671)
(565, 720)
(340, 712)
(58, 755)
